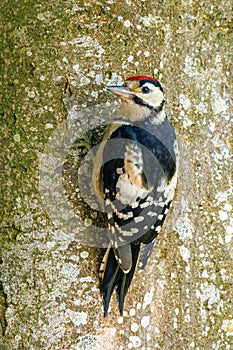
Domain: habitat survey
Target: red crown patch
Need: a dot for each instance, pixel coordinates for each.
(142, 77)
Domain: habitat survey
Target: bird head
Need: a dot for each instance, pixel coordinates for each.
(140, 93)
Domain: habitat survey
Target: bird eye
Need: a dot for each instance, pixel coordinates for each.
(145, 90)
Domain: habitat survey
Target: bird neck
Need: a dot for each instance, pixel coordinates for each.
(136, 112)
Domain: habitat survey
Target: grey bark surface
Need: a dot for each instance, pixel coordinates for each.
(49, 295)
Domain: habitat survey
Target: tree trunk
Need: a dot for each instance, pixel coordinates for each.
(57, 58)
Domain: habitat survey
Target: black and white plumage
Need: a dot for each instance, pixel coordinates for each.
(136, 181)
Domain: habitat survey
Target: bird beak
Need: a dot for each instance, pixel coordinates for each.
(123, 92)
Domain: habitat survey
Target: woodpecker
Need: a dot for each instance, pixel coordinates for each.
(135, 178)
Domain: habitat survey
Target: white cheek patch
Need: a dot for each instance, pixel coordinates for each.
(154, 98)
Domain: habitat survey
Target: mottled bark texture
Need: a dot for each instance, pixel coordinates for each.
(49, 283)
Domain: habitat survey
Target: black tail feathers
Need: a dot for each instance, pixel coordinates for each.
(114, 277)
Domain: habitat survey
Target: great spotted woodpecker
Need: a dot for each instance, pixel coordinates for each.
(135, 182)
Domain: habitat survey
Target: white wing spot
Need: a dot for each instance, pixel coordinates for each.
(151, 213)
(160, 204)
(120, 215)
(162, 186)
(144, 205)
(126, 233)
(124, 216)
(107, 202)
(134, 230)
(119, 171)
(138, 219)
(135, 205)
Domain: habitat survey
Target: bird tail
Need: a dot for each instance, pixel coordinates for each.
(112, 276)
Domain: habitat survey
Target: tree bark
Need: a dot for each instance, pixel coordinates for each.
(57, 58)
